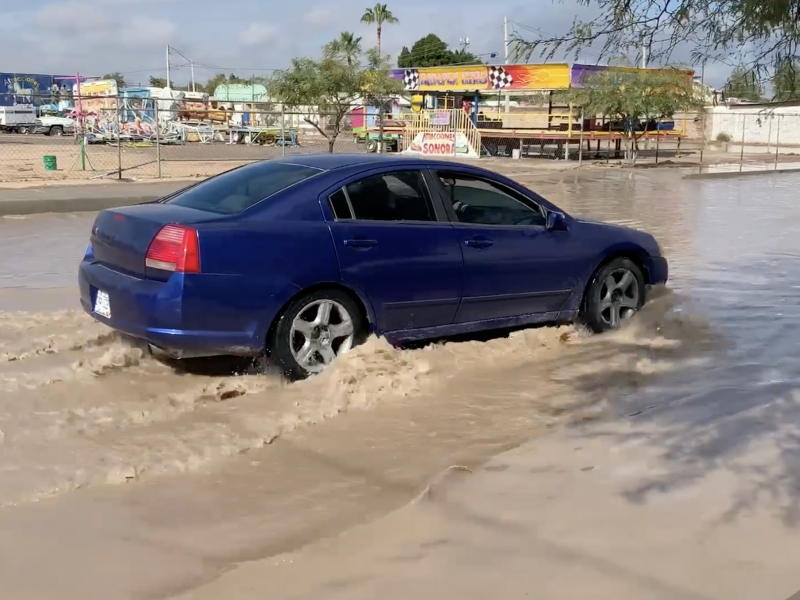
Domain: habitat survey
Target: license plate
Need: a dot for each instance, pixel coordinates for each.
(102, 305)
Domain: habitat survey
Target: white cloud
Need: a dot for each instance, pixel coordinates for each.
(81, 25)
(319, 17)
(257, 34)
(65, 17)
(144, 32)
(95, 36)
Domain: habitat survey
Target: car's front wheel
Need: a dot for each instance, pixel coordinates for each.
(314, 329)
(616, 292)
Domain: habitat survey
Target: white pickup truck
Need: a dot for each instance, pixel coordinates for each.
(54, 125)
(17, 119)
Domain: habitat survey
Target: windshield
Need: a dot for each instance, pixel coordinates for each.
(238, 190)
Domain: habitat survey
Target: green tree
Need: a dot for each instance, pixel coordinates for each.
(462, 57)
(118, 77)
(763, 33)
(378, 15)
(786, 79)
(743, 84)
(635, 96)
(431, 51)
(346, 47)
(213, 83)
(330, 86)
(378, 87)
(159, 82)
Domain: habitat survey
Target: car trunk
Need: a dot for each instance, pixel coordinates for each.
(121, 236)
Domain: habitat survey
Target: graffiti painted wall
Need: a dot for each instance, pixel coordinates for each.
(103, 108)
(30, 89)
(578, 73)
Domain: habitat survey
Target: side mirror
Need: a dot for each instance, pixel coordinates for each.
(556, 221)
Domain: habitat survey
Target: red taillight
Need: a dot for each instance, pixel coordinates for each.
(174, 248)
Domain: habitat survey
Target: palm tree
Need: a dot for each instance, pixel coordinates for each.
(346, 47)
(378, 15)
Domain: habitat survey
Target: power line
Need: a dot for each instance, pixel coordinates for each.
(191, 63)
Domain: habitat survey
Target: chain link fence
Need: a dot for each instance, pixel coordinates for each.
(123, 138)
(139, 138)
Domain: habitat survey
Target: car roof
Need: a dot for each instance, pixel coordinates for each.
(332, 162)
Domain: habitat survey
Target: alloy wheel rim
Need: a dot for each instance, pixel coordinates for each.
(619, 297)
(321, 331)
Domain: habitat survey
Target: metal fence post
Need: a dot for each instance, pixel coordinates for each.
(741, 153)
(703, 139)
(454, 121)
(119, 139)
(769, 132)
(283, 130)
(158, 140)
(380, 128)
(580, 148)
(658, 138)
(777, 141)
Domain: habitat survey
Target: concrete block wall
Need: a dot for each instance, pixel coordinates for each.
(756, 124)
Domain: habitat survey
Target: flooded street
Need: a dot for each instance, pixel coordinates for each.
(160, 477)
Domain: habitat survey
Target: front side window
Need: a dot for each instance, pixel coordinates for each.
(483, 202)
(396, 196)
(238, 190)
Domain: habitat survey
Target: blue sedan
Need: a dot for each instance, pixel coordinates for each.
(304, 257)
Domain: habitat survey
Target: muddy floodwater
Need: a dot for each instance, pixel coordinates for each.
(123, 477)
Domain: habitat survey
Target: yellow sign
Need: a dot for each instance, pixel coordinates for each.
(492, 77)
(103, 87)
(453, 78)
(531, 77)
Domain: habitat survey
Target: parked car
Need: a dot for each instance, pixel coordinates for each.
(302, 257)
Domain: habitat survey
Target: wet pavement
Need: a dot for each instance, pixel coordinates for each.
(204, 469)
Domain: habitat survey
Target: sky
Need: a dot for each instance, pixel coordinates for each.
(249, 37)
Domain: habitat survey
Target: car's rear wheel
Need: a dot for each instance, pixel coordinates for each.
(616, 292)
(314, 329)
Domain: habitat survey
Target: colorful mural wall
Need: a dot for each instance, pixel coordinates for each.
(31, 89)
(496, 77)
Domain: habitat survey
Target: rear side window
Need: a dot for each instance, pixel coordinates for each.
(395, 196)
(238, 190)
(341, 209)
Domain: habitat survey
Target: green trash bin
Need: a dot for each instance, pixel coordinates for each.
(50, 162)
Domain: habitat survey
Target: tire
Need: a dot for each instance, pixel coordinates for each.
(616, 292)
(56, 130)
(318, 335)
(372, 146)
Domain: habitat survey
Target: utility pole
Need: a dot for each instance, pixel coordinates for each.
(505, 57)
(168, 86)
(191, 65)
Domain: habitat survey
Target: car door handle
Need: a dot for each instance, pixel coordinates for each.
(478, 243)
(360, 243)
